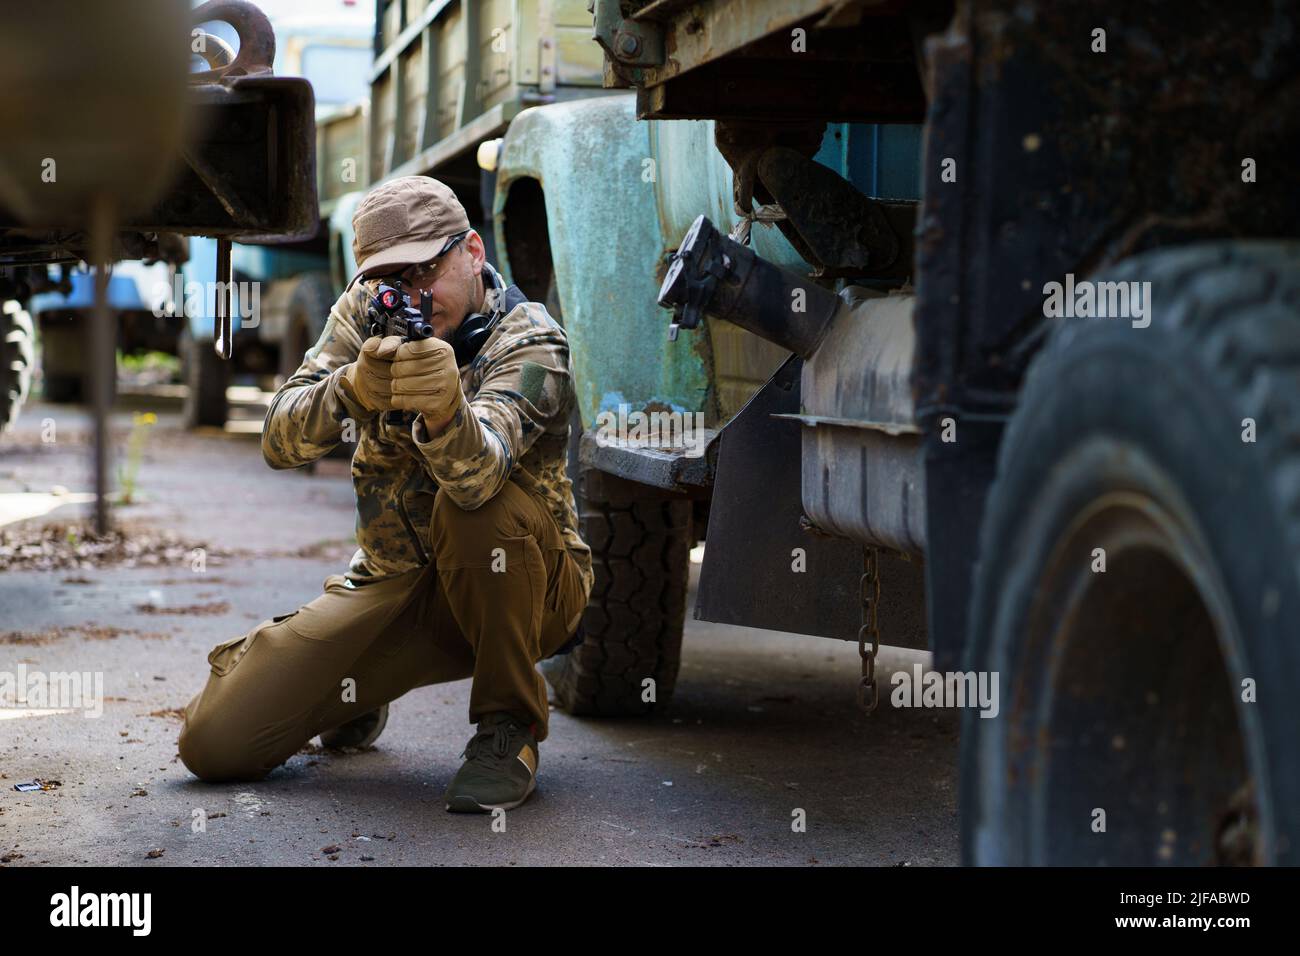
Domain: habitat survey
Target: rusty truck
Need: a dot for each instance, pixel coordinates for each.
(1057, 378)
(117, 151)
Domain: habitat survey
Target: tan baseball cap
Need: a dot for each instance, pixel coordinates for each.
(404, 221)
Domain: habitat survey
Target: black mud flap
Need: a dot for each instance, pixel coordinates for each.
(748, 578)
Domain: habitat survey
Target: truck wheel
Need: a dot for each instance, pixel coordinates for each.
(640, 553)
(309, 307)
(206, 377)
(1138, 581)
(17, 356)
(633, 625)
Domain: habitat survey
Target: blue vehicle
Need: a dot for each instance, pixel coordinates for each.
(137, 298)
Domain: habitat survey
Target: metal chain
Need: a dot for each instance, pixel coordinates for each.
(869, 595)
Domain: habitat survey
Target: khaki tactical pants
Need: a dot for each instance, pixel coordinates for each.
(282, 683)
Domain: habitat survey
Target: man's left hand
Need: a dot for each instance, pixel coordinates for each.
(426, 380)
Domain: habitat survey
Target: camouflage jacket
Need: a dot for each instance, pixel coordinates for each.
(520, 392)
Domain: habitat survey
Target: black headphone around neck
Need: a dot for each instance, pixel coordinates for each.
(474, 331)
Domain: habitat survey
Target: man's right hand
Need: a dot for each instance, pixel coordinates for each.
(370, 377)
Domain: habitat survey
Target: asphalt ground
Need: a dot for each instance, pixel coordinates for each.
(763, 731)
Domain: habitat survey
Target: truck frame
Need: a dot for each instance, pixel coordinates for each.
(116, 153)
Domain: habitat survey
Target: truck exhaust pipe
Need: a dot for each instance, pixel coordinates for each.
(715, 275)
(862, 464)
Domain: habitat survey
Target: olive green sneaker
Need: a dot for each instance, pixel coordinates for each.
(500, 768)
(359, 732)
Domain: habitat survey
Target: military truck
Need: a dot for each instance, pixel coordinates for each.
(229, 157)
(330, 48)
(116, 150)
(448, 79)
(1060, 379)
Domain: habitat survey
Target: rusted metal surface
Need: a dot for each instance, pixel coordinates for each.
(657, 466)
(449, 74)
(862, 469)
(250, 171)
(1066, 160)
(708, 31)
(629, 42)
(569, 185)
(765, 59)
(832, 224)
(256, 40)
(743, 144)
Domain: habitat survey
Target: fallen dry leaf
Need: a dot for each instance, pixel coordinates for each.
(214, 607)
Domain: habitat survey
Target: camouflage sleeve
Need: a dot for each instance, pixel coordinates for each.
(525, 390)
(305, 420)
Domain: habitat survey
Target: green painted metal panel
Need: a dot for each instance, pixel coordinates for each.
(693, 178)
(620, 194)
(590, 157)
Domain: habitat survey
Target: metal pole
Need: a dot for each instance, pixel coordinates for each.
(103, 359)
(223, 333)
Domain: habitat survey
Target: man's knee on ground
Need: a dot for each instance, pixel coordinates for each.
(213, 755)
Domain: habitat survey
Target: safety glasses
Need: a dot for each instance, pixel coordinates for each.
(425, 274)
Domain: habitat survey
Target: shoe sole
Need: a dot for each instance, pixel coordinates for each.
(470, 805)
(365, 741)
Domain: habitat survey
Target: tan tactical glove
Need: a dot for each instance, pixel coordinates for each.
(426, 380)
(370, 377)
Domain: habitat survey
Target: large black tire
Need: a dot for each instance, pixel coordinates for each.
(17, 358)
(206, 377)
(634, 621)
(309, 308)
(1156, 699)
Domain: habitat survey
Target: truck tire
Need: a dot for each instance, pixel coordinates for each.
(640, 552)
(17, 357)
(1138, 581)
(206, 377)
(633, 625)
(309, 307)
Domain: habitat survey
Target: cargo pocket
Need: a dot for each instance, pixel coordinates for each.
(224, 657)
(564, 596)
